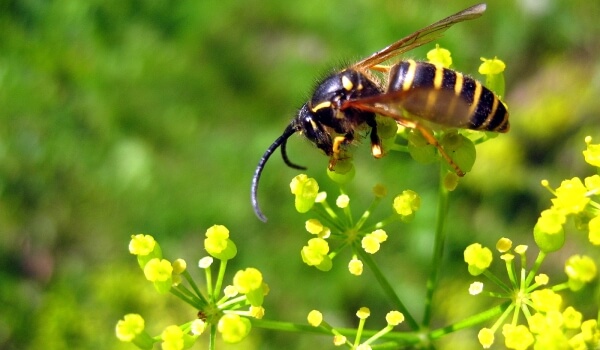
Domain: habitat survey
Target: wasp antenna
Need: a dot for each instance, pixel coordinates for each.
(287, 161)
(281, 141)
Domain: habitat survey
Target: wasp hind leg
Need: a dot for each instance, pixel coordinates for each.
(434, 142)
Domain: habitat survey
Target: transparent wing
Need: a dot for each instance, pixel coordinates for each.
(420, 37)
(441, 107)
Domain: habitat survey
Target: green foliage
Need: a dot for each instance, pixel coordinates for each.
(125, 116)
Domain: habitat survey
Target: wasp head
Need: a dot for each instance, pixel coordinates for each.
(319, 117)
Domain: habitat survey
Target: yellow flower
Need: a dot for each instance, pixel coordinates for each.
(592, 153)
(315, 318)
(486, 337)
(517, 337)
(571, 196)
(440, 56)
(478, 258)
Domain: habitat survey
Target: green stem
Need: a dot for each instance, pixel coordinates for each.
(388, 289)
(188, 296)
(192, 283)
(470, 321)
(438, 249)
(536, 266)
(219, 282)
(401, 337)
(497, 281)
(212, 343)
(367, 213)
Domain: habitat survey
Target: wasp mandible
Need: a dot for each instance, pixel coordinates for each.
(411, 92)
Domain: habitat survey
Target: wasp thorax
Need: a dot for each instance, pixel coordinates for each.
(337, 88)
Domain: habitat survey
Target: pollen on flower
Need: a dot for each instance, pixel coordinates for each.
(592, 183)
(475, 288)
(508, 257)
(219, 232)
(521, 249)
(544, 300)
(355, 266)
(313, 226)
(172, 338)
(589, 330)
(339, 340)
(315, 318)
(407, 203)
(486, 337)
(342, 201)
(440, 56)
(592, 153)
(551, 221)
(581, 268)
(205, 262)
(517, 337)
(247, 280)
(478, 258)
(179, 266)
(257, 312)
(537, 323)
(218, 244)
(503, 245)
(594, 230)
(233, 328)
(198, 327)
(380, 235)
(157, 270)
(394, 318)
(542, 279)
(572, 318)
(295, 185)
(129, 327)
(230, 291)
(141, 244)
(491, 66)
(554, 319)
(321, 197)
(571, 196)
(306, 191)
(363, 313)
(315, 254)
(370, 244)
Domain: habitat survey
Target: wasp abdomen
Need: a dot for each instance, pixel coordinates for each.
(447, 97)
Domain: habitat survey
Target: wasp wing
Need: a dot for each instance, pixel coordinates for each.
(419, 37)
(411, 107)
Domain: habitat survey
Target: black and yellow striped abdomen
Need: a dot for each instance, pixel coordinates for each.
(447, 97)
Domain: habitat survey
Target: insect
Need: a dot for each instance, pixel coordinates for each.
(413, 93)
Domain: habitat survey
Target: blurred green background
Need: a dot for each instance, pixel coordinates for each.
(124, 116)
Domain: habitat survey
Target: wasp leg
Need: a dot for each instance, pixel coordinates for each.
(376, 148)
(413, 125)
(381, 68)
(433, 141)
(338, 143)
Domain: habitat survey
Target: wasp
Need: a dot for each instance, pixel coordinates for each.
(415, 94)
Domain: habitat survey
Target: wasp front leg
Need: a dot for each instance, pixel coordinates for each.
(339, 144)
